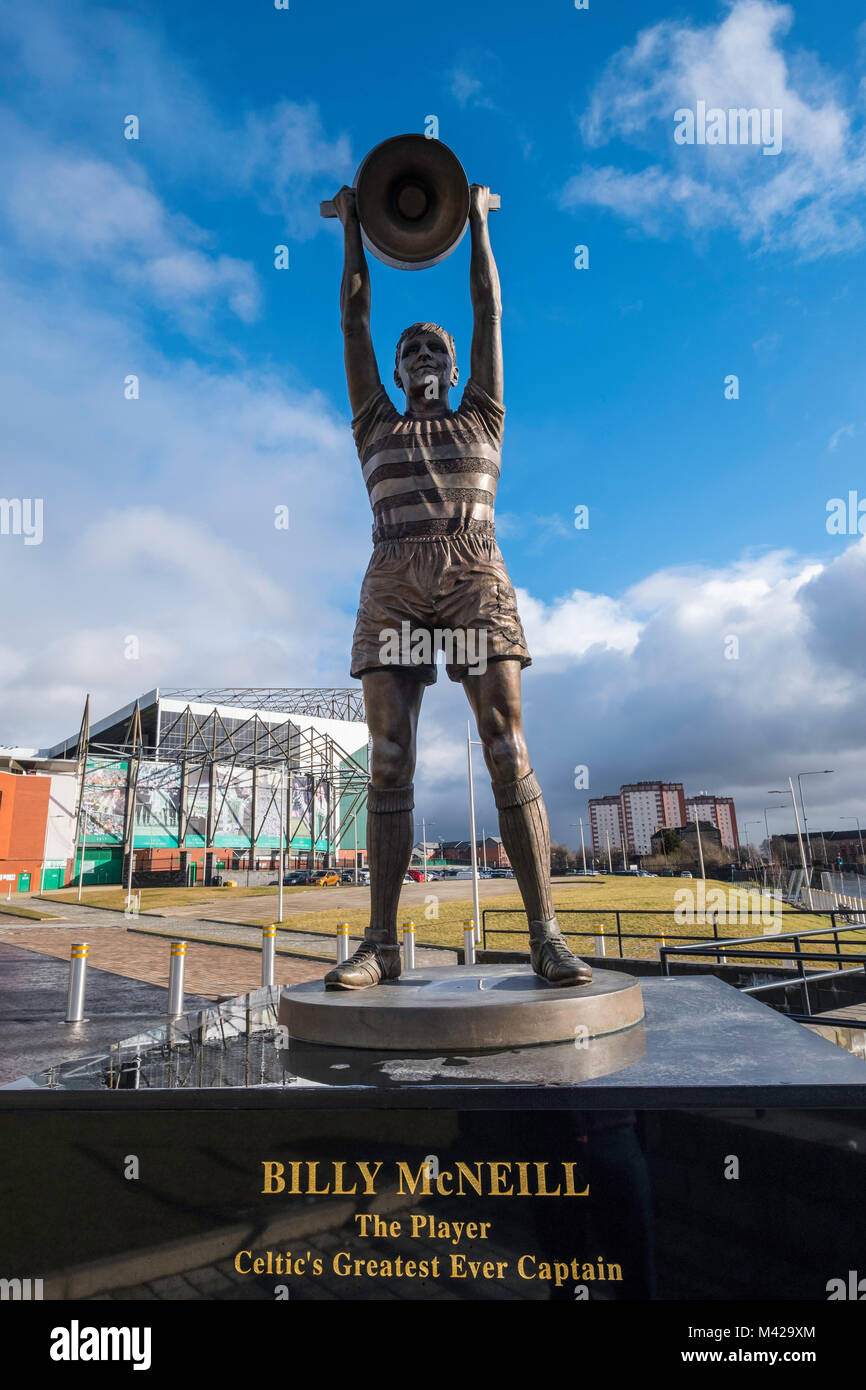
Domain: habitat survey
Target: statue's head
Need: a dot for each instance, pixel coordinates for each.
(425, 351)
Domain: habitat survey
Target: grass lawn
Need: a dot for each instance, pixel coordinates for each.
(115, 896)
(13, 910)
(629, 895)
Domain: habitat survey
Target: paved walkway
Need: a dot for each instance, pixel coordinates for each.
(321, 945)
(211, 970)
(33, 1034)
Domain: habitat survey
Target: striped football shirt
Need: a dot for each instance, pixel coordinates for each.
(431, 477)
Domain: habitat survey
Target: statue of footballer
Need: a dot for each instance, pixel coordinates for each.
(431, 474)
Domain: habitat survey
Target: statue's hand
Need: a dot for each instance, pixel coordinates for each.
(479, 202)
(344, 204)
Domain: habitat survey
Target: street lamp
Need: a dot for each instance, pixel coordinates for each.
(825, 772)
(572, 824)
(859, 831)
(424, 843)
(746, 825)
(767, 828)
(775, 792)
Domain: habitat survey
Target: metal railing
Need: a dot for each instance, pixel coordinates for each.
(599, 914)
(762, 948)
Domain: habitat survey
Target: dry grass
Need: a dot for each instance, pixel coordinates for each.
(114, 896)
(629, 896)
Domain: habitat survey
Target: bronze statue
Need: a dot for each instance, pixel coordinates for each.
(431, 474)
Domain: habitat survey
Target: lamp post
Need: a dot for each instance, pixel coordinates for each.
(424, 843)
(825, 772)
(700, 846)
(472, 843)
(746, 825)
(859, 831)
(806, 874)
(572, 824)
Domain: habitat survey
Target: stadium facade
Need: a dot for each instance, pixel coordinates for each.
(193, 785)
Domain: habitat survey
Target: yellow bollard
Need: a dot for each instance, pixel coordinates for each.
(409, 945)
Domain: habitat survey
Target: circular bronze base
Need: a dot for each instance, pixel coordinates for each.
(462, 1007)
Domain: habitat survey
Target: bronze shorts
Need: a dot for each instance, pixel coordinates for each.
(455, 586)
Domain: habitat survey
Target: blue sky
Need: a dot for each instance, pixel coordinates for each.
(707, 515)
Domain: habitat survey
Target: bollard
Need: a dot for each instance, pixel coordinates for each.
(600, 948)
(77, 982)
(269, 941)
(342, 942)
(177, 963)
(409, 945)
(469, 942)
(662, 942)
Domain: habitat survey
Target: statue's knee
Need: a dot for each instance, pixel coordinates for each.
(392, 762)
(506, 755)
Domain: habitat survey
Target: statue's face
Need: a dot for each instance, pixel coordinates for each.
(423, 357)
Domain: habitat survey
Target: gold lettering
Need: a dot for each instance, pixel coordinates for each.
(237, 1261)
(339, 1189)
(474, 1183)
(542, 1191)
(273, 1176)
(496, 1188)
(369, 1173)
(523, 1267)
(312, 1178)
(422, 1177)
(569, 1182)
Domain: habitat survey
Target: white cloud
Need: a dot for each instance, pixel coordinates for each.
(67, 207)
(843, 432)
(281, 155)
(464, 87)
(639, 686)
(159, 522)
(804, 199)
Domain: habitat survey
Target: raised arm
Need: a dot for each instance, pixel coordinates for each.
(362, 372)
(486, 357)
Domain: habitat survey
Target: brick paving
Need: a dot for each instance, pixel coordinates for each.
(211, 971)
(320, 944)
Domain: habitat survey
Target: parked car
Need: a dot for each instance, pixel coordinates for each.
(501, 873)
(325, 878)
(296, 877)
(415, 875)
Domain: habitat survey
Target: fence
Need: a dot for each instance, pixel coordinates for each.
(610, 920)
(748, 948)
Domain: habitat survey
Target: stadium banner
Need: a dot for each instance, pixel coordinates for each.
(104, 800)
(157, 806)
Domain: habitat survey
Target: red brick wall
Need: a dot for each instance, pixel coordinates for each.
(23, 816)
